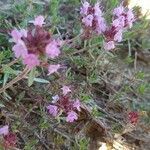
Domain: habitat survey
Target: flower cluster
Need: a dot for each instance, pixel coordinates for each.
(92, 18)
(123, 18)
(64, 104)
(35, 45)
(93, 21)
(10, 138)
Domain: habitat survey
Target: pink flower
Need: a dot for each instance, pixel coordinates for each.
(52, 49)
(109, 45)
(118, 36)
(101, 25)
(84, 8)
(72, 116)
(39, 21)
(53, 68)
(130, 18)
(65, 90)
(16, 35)
(20, 49)
(4, 130)
(88, 20)
(119, 23)
(53, 110)
(97, 11)
(31, 61)
(77, 105)
(118, 11)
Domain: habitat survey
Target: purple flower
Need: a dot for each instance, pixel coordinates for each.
(31, 61)
(77, 105)
(4, 130)
(119, 23)
(20, 49)
(39, 21)
(88, 20)
(84, 8)
(52, 49)
(97, 10)
(72, 116)
(118, 36)
(109, 45)
(53, 110)
(101, 25)
(118, 11)
(130, 18)
(53, 68)
(65, 90)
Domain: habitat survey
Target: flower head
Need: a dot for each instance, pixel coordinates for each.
(53, 68)
(39, 21)
(4, 130)
(72, 116)
(109, 45)
(65, 90)
(31, 61)
(77, 105)
(52, 49)
(53, 110)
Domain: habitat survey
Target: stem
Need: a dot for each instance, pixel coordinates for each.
(18, 78)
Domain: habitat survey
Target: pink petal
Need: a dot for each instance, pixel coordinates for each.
(4, 130)
(109, 45)
(20, 49)
(31, 61)
(53, 68)
(39, 21)
(118, 36)
(88, 20)
(84, 8)
(77, 105)
(16, 35)
(53, 110)
(72, 116)
(97, 10)
(65, 90)
(52, 49)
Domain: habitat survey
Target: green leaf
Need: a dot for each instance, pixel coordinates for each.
(9, 70)
(31, 76)
(41, 80)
